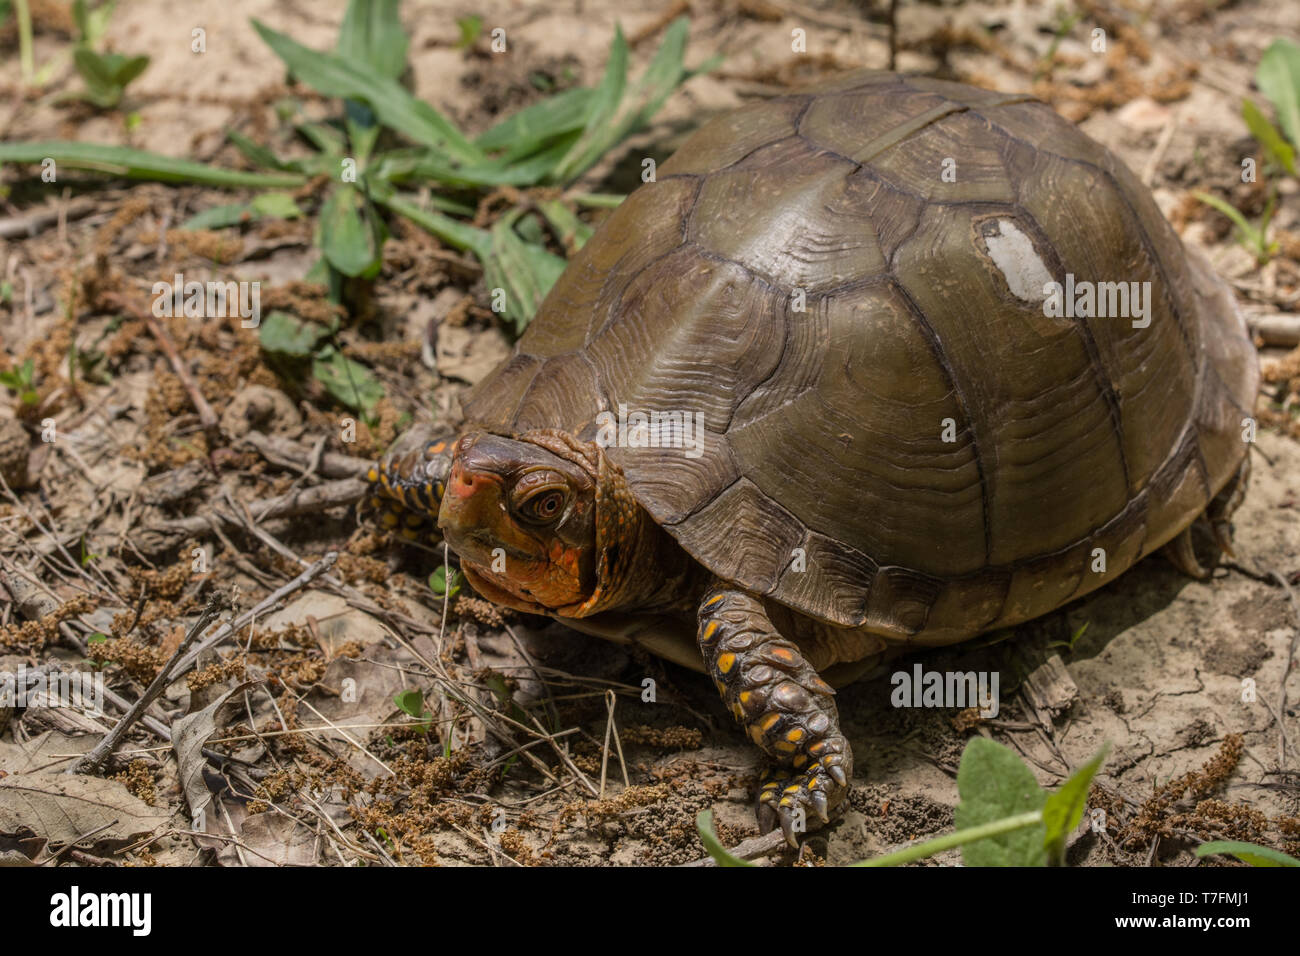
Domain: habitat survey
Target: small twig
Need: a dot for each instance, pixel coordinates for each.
(34, 223)
(275, 597)
(611, 699)
(1162, 146)
(89, 763)
(751, 848)
(306, 501)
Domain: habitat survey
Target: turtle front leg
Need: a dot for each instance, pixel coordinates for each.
(407, 484)
(784, 706)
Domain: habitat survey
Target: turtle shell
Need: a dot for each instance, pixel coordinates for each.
(848, 284)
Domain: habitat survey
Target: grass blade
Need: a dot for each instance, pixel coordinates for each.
(562, 113)
(456, 234)
(599, 127)
(138, 164)
(372, 33)
(1248, 853)
(1278, 76)
(720, 854)
(333, 76)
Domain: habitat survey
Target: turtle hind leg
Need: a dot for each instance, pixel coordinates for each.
(407, 484)
(785, 707)
(1218, 515)
(1220, 510)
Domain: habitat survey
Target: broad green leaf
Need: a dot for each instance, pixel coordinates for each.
(1278, 76)
(994, 784)
(438, 582)
(350, 234)
(410, 702)
(276, 205)
(1268, 136)
(720, 854)
(285, 334)
(372, 33)
(138, 164)
(1250, 853)
(126, 69)
(1063, 809)
(333, 76)
(220, 217)
(94, 69)
(350, 383)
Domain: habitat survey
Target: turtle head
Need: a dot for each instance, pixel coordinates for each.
(534, 520)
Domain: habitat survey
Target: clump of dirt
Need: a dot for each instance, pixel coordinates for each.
(898, 818)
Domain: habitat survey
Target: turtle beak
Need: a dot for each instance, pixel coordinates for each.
(474, 516)
(474, 501)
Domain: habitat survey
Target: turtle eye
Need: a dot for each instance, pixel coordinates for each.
(543, 506)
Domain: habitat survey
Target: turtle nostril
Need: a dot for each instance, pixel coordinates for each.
(466, 480)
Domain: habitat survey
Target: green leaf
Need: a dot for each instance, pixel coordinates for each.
(372, 34)
(276, 206)
(470, 28)
(255, 153)
(1229, 210)
(599, 129)
(1282, 152)
(1063, 809)
(438, 582)
(457, 234)
(81, 20)
(350, 234)
(324, 137)
(1278, 77)
(994, 784)
(220, 217)
(573, 233)
(720, 854)
(128, 69)
(536, 124)
(410, 702)
(351, 384)
(333, 76)
(285, 334)
(524, 270)
(613, 117)
(138, 164)
(1250, 853)
(94, 69)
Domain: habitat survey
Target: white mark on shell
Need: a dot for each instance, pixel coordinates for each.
(1014, 255)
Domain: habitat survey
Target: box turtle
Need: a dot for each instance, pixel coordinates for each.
(880, 364)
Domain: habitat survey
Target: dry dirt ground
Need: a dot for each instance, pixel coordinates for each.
(312, 762)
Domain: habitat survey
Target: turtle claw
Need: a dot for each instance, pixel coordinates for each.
(821, 805)
(837, 772)
(787, 800)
